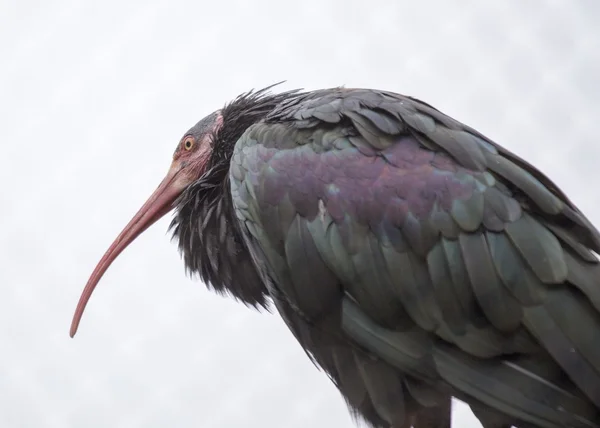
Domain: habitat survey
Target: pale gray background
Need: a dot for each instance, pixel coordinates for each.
(95, 95)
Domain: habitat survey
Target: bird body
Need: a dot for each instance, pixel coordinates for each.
(412, 258)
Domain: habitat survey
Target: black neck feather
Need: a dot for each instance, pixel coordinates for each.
(205, 224)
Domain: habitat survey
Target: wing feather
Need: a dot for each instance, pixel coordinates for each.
(500, 307)
(450, 259)
(453, 313)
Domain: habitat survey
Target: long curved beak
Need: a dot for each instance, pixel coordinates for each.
(159, 204)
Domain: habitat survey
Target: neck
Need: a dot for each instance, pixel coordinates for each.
(211, 244)
(205, 224)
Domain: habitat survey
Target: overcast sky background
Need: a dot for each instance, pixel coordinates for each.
(94, 97)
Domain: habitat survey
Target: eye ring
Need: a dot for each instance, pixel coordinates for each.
(188, 143)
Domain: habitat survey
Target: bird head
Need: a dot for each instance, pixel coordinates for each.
(190, 161)
(204, 150)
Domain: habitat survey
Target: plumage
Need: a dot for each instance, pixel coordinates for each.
(413, 258)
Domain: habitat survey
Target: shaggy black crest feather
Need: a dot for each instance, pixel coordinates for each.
(207, 233)
(238, 115)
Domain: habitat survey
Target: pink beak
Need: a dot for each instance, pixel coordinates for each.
(159, 204)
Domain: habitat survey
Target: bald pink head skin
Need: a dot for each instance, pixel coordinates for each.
(189, 163)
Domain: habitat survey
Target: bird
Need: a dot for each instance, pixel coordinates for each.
(414, 259)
